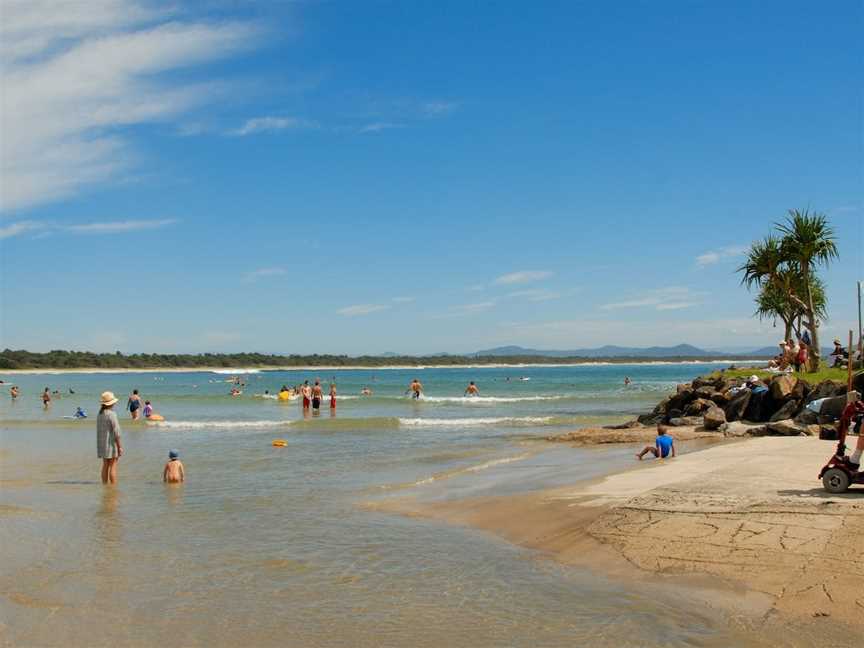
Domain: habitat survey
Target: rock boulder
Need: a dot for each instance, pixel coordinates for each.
(782, 386)
(714, 418)
(787, 411)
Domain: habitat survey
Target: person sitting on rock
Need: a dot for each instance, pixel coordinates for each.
(664, 445)
(841, 355)
(854, 411)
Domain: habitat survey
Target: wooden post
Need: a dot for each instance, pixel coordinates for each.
(849, 364)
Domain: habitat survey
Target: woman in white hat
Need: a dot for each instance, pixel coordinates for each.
(108, 446)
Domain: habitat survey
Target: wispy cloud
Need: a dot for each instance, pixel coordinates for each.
(259, 125)
(662, 299)
(469, 309)
(535, 294)
(716, 256)
(438, 108)
(522, 277)
(377, 127)
(75, 76)
(21, 227)
(104, 227)
(265, 272)
(114, 227)
(361, 309)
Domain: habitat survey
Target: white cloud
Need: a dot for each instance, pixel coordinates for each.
(271, 124)
(535, 295)
(716, 256)
(361, 309)
(438, 108)
(377, 127)
(523, 276)
(106, 227)
(75, 75)
(265, 272)
(467, 309)
(20, 227)
(662, 299)
(114, 227)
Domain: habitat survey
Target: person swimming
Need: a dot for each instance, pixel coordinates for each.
(471, 390)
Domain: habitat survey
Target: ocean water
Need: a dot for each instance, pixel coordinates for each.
(267, 546)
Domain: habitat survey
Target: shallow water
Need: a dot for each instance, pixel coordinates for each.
(273, 546)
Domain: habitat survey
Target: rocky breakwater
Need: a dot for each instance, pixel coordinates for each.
(771, 406)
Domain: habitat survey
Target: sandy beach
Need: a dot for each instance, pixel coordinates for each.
(749, 517)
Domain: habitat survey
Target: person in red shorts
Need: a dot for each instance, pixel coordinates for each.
(853, 410)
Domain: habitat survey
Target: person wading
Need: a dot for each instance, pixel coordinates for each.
(108, 445)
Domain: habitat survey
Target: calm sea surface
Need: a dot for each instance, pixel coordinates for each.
(268, 546)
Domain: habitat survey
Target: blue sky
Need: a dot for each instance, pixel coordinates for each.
(355, 177)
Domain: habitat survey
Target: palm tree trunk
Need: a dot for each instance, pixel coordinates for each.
(788, 333)
(812, 322)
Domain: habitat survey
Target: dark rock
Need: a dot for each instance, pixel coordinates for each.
(807, 417)
(787, 411)
(761, 406)
(629, 425)
(714, 418)
(720, 398)
(825, 389)
(782, 386)
(674, 413)
(858, 382)
(791, 428)
(833, 407)
(681, 421)
(737, 405)
(698, 406)
(649, 419)
(680, 400)
(705, 392)
(828, 433)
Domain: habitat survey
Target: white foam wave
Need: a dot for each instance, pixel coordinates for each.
(463, 422)
(235, 372)
(490, 400)
(200, 425)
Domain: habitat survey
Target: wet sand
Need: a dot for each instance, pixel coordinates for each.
(750, 518)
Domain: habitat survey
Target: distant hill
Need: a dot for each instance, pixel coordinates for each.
(770, 352)
(610, 351)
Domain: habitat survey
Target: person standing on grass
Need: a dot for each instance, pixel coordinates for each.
(108, 444)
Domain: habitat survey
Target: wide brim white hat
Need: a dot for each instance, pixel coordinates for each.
(108, 398)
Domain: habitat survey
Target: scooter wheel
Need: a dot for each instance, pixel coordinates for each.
(835, 481)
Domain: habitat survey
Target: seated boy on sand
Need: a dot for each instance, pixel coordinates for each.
(664, 445)
(173, 473)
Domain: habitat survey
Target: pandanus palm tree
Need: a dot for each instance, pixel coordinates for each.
(773, 303)
(787, 265)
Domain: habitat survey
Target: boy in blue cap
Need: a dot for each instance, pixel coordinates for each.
(173, 473)
(664, 445)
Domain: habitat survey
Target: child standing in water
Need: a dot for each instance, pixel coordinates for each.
(173, 473)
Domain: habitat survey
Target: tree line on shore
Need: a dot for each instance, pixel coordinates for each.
(59, 359)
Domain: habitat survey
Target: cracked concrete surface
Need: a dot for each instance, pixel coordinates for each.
(754, 513)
